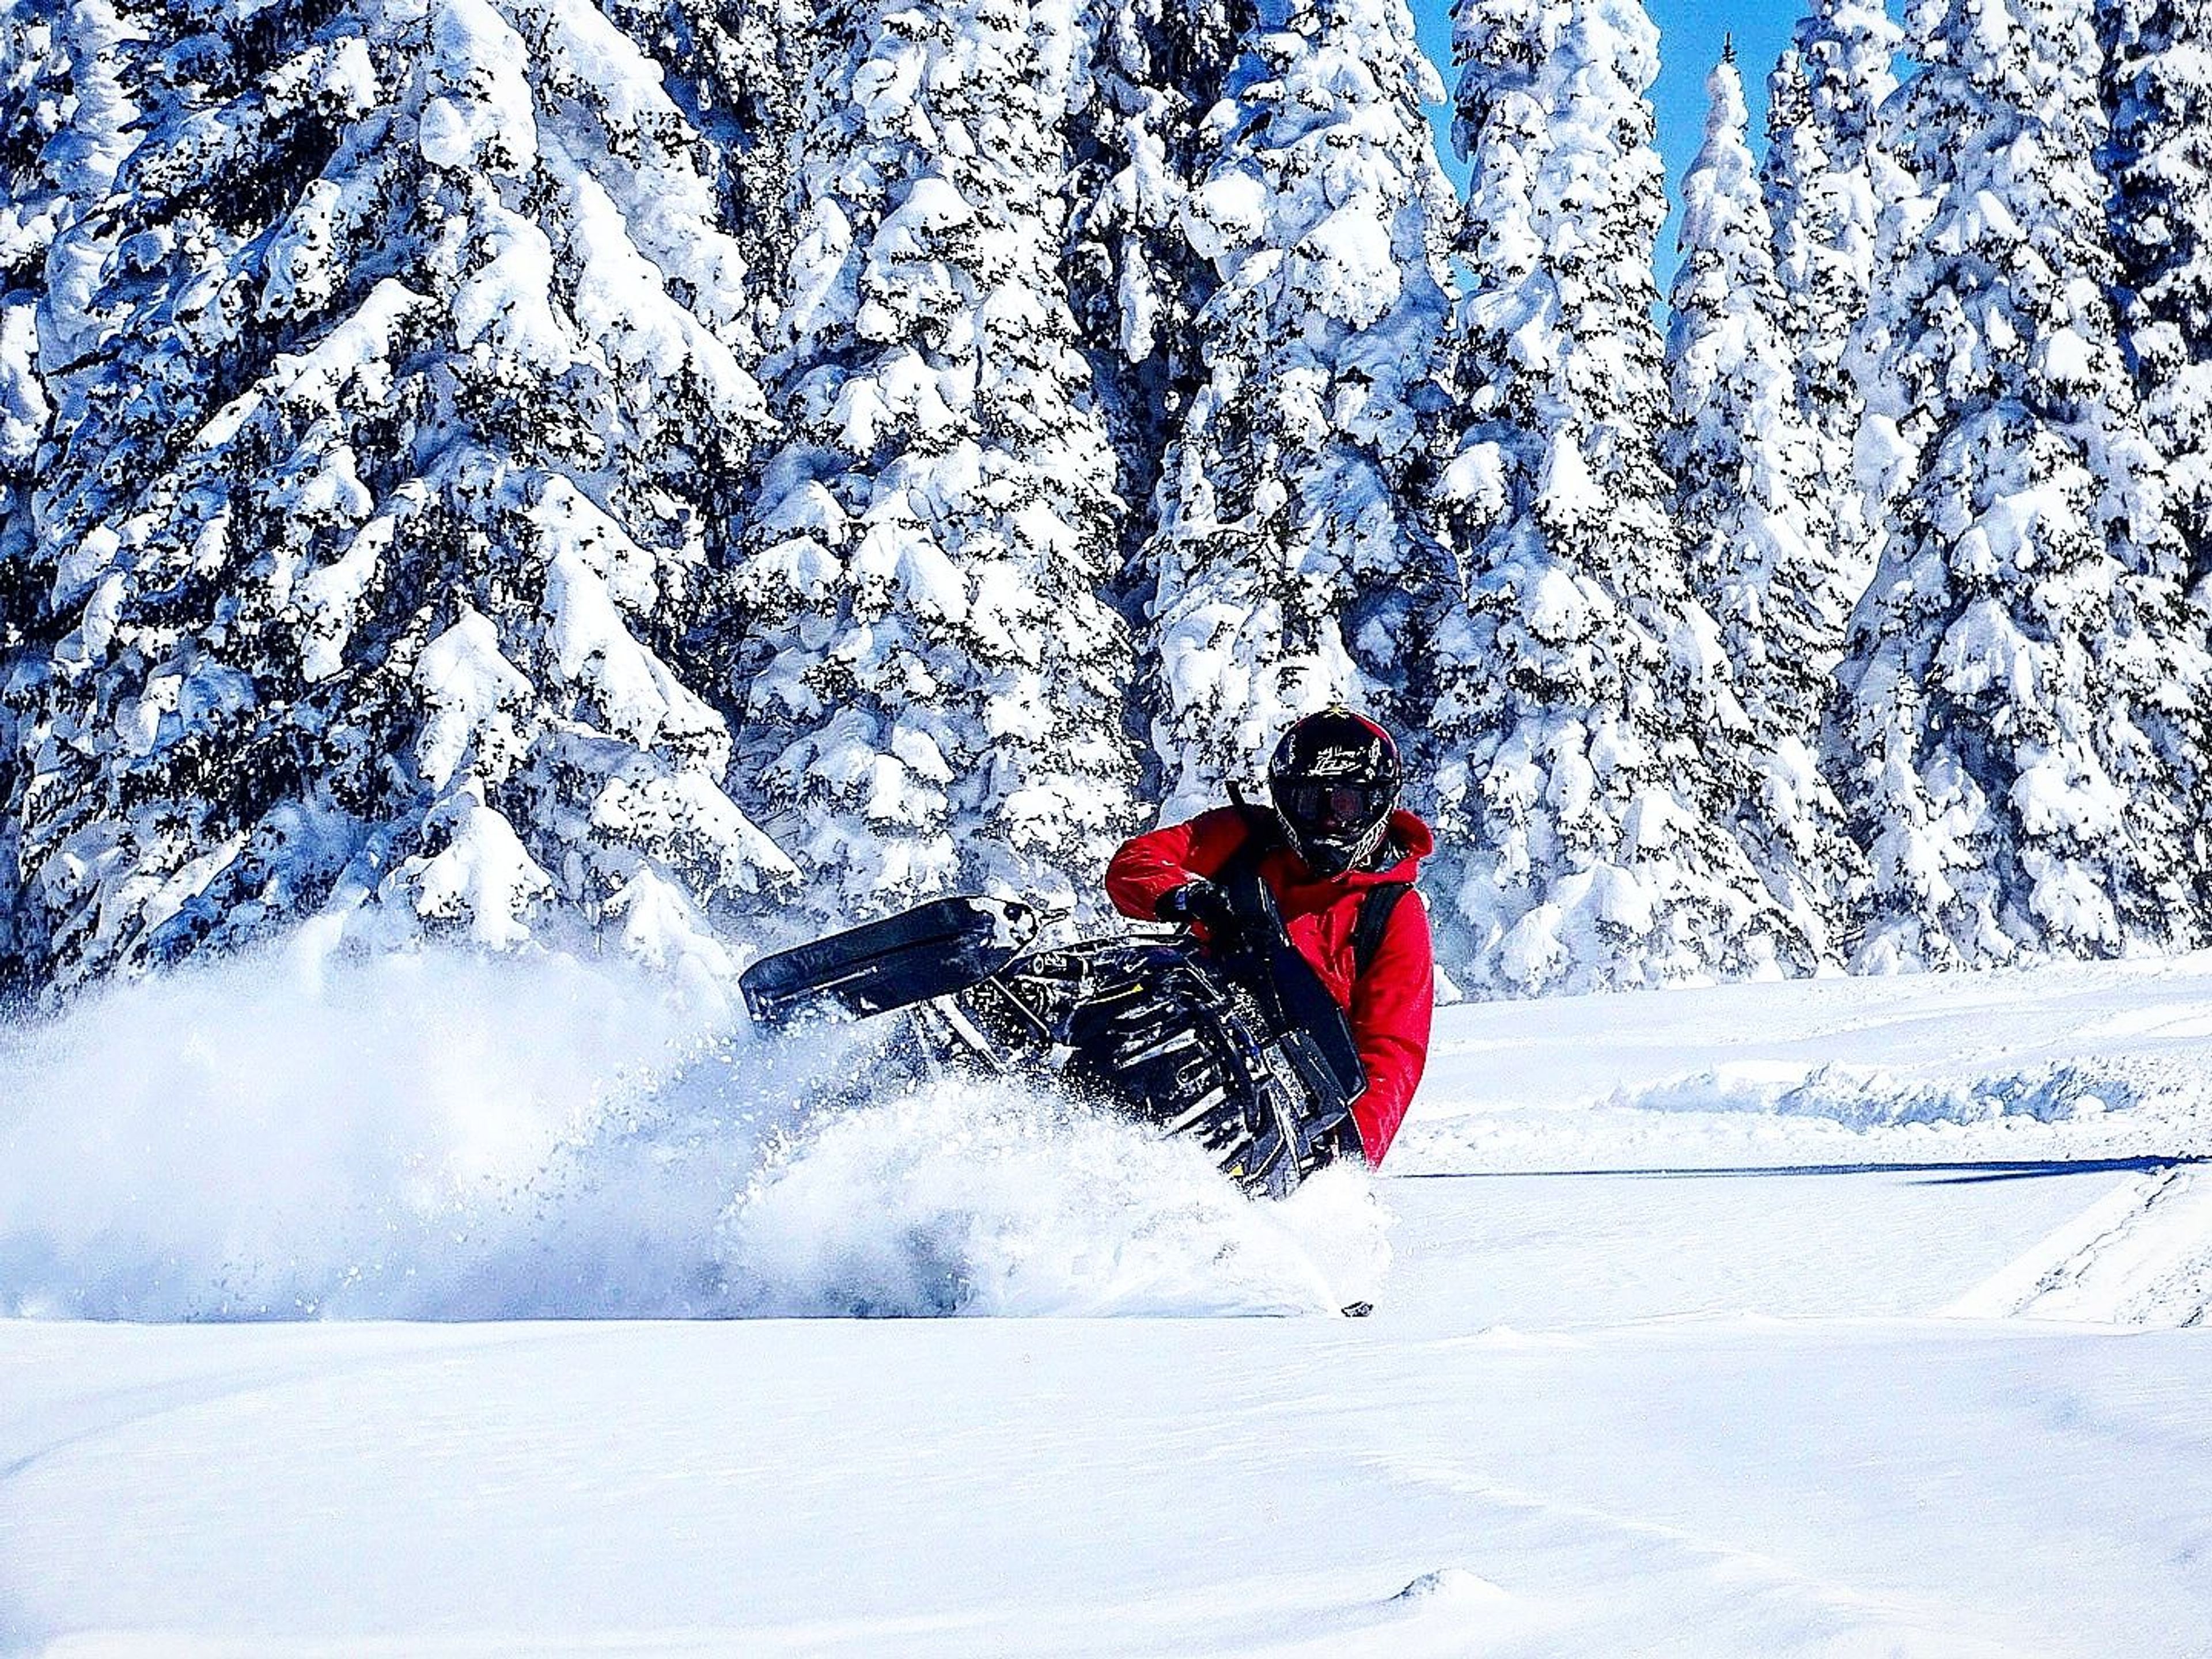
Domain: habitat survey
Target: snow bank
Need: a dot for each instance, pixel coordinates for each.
(445, 1136)
(1860, 1097)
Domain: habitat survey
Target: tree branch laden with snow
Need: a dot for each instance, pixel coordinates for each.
(405, 391)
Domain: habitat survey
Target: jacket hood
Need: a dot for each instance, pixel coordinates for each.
(1416, 840)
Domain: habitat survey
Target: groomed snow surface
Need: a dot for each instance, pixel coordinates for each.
(430, 1307)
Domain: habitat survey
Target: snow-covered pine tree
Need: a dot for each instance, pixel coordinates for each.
(1287, 555)
(1788, 174)
(2019, 733)
(1156, 68)
(2158, 88)
(1846, 51)
(1134, 282)
(938, 692)
(1752, 503)
(1579, 684)
(34, 97)
(400, 359)
(29, 114)
(63, 126)
(1804, 215)
(1828, 181)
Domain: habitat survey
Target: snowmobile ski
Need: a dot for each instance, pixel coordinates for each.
(936, 950)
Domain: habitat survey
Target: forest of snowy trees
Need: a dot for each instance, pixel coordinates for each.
(647, 475)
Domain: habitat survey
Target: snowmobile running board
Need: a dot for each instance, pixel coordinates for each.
(937, 950)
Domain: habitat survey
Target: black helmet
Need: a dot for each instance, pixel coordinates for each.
(1334, 779)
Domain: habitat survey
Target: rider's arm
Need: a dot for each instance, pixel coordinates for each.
(1392, 1004)
(1151, 866)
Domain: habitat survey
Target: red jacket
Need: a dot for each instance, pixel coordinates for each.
(1390, 1004)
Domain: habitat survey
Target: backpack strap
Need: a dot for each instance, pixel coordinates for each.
(1262, 835)
(1375, 912)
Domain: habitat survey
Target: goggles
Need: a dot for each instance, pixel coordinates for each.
(1334, 806)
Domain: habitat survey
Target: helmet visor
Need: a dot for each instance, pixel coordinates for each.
(1334, 809)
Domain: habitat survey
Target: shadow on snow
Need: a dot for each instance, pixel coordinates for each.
(1941, 1175)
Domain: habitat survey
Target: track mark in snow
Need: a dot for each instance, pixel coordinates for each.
(85, 1419)
(2143, 1255)
(1711, 1578)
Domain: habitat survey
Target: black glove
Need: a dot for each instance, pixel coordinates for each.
(1198, 900)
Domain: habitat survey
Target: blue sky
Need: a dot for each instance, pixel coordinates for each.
(1689, 38)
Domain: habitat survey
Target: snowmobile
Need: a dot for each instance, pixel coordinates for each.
(1236, 1043)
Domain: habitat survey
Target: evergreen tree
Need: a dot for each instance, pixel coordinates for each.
(1285, 561)
(1134, 282)
(34, 95)
(1846, 51)
(1829, 179)
(936, 689)
(1802, 210)
(30, 114)
(2020, 735)
(2158, 87)
(1580, 686)
(403, 377)
(1753, 506)
(64, 129)
(1788, 177)
(1156, 69)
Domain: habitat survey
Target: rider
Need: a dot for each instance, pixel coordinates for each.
(1336, 835)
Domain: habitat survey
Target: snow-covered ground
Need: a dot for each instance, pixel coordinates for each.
(1846, 1317)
